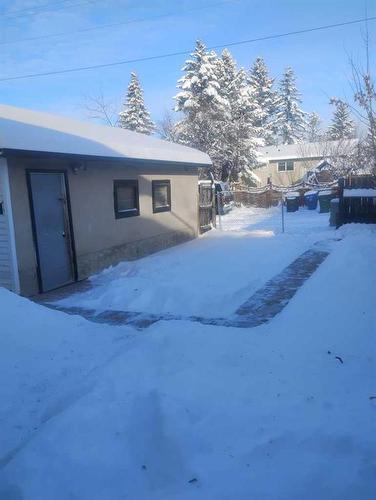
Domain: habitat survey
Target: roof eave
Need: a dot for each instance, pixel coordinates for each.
(9, 152)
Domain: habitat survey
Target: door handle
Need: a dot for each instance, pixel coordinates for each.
(64, 234)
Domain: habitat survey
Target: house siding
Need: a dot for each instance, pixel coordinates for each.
(270, 171)
(100, 239)
(8, 278)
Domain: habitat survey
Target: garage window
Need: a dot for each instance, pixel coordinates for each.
(161, 196)
(126, 201)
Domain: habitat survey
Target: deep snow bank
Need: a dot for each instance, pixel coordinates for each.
(269, 413)
(45, 359)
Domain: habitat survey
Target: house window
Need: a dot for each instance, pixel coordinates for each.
(285, 166)
(126, 202)
(161, 196)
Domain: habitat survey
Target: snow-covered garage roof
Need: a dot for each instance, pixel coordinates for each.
(34, 131)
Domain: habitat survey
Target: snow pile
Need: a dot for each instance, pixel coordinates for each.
(185, 411)
(43, 355)
(359, 193)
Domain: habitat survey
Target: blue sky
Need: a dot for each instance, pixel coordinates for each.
(319, 59)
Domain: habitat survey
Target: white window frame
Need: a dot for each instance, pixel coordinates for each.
(284, 163)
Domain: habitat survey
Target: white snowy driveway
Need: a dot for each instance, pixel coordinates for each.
(210, 276)
(183, 411)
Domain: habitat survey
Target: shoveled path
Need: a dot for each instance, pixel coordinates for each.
(260, 308)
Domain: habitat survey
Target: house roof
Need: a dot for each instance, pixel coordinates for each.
(24, 130)
(305, 150)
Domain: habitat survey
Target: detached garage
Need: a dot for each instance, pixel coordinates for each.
(77, 197)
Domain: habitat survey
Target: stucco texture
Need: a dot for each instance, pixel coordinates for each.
(99, 238)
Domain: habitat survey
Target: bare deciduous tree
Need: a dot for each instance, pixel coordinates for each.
(365, 98)
(341, 157)
(166, 128)
(98, 108)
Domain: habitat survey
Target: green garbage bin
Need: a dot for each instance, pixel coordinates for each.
(324, 200)
(292, 201)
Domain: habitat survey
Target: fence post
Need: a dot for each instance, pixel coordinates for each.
(219, 204)
(341, 207)
(268, 197)
(283, 216)
(214, 210)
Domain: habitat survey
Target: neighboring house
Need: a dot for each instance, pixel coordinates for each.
(77, 197)
(288, 164)
(321, 173)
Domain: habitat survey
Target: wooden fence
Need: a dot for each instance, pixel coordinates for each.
(266, 199)
(357, 206)
(206, 204)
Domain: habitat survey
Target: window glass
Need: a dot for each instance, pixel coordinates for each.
(126, 198)
(285, 165)
(290, 165)
(161, 196)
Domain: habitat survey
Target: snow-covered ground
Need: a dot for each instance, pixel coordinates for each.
(184, 411)
(210, 276)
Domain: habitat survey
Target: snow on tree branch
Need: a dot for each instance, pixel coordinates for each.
(290, 120)
(135, 116)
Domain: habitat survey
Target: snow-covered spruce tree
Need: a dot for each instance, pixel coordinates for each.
(199, 101)
(235, 142)
(313, 130)
(265, 100)
(135, 116)
(342, 126)
(290, 119)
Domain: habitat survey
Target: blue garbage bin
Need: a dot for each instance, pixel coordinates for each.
(311, 199)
